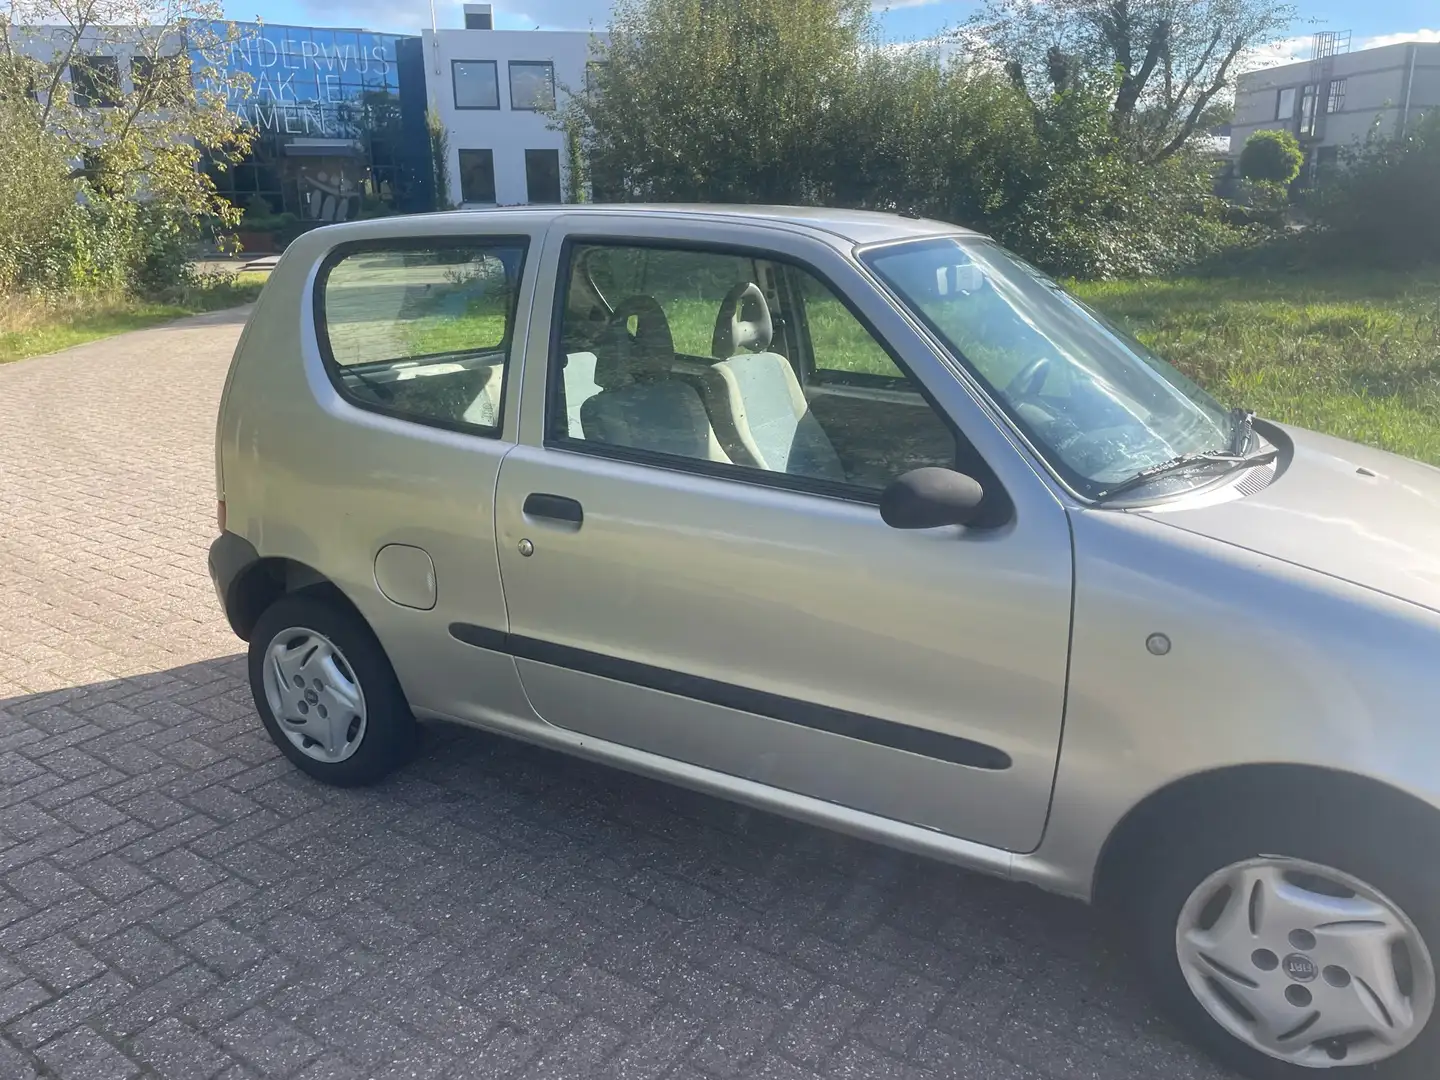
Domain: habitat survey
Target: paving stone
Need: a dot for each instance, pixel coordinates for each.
(83, 1055)
(176, 1052)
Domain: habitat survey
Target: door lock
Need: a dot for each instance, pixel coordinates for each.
(527, 548)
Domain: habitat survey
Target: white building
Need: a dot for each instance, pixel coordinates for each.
(491, 89)
(1338, 97)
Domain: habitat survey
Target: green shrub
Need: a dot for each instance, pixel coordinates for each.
(1382, 206)
(1271, 157)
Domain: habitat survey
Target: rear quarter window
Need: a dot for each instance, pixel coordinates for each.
(422, 333)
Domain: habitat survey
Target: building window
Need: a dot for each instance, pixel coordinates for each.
(1285, 104)
(165, 79)
(1335, 102)
(95, 82)
(477, 176)
(532, 85)
(477, 84)
(595, 74)
(1307, 109)
(542, 176)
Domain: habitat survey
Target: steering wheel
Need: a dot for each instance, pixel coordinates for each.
(1028, 382)
(736, 334)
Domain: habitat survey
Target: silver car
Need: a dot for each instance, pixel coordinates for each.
(862, 520)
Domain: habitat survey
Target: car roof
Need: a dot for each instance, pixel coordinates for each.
(855, 226)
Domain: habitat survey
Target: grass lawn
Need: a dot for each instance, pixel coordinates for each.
(32, 326)
(1356, 355)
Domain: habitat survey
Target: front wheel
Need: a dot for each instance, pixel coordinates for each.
(326, 692)
(1320, 957)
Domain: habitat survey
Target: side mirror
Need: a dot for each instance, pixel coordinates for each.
(929, 498)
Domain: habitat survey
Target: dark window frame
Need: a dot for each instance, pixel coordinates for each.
(1280, 113)
(455, 86)
(1306, 122)
(96, 94)
(591, 68)
(334, 370)
(559, 199)
(175, 77)
(510, 79)
(460, 161)
(1335, 92)
(716, 470)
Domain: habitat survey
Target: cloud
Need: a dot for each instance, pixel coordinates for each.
(1285, 51)
(1380, 42)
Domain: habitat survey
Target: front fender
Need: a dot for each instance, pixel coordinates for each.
(1268, 663)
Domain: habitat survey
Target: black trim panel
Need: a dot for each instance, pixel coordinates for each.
(931, 744)
(230, 557)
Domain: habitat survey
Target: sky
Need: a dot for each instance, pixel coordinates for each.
(1370, 21)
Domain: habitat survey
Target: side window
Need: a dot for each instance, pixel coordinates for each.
(688, 285)
(423, 333)
(842, 350)
(672, 356)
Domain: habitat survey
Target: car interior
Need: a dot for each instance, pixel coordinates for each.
(762, 399)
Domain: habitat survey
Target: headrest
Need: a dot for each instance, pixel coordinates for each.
(622, 356)
(743, 324)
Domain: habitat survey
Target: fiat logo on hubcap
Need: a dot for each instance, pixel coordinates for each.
(311, 696)
(1300, 968)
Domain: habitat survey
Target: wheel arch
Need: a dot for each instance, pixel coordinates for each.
(1329, 797)
(267, 580)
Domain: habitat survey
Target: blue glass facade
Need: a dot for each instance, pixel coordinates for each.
(339, 120)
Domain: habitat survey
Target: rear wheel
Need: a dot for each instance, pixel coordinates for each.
(1320, 957)
(326, 692)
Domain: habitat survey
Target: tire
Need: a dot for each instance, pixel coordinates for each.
(1176, 869)
(351, 699)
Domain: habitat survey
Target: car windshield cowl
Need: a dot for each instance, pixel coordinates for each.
(1229, 462)
(1098, 407)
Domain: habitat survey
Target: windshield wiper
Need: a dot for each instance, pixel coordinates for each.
(1244, 425)
(1189, 461)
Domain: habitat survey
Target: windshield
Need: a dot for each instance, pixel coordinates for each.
(1094, 402)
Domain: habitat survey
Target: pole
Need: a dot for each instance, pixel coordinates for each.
(1409, 87)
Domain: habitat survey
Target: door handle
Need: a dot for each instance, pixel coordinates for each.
(538, 504)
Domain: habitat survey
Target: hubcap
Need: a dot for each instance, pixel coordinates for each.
(1305, 964)
(314, 695)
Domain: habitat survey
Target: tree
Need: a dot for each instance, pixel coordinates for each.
(1172, 60)
(1271, 157)
(136, 144)
(718, 100)
(764, 101)
(439, 136)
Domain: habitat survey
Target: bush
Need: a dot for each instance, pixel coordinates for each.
(1271, 157)
(1381, 206)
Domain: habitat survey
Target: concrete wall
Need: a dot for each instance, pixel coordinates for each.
(506, 132)
(1376, 81)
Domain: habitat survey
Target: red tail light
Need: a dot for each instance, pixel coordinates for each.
(220, 514)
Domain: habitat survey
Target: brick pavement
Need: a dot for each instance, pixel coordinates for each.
(176, 901)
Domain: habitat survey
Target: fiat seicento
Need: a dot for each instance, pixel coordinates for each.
(862, 520)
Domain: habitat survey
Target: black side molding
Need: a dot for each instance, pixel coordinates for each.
(931, 744)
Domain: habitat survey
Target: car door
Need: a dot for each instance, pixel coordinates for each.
(667, 594)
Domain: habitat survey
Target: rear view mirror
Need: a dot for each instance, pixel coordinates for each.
(930, 498)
